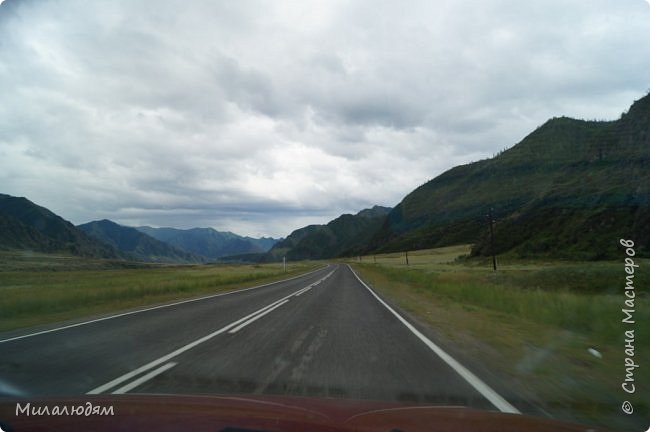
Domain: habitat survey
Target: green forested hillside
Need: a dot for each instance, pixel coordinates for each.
(570, 188)
(346, 235)
(27, 226)
(135, 244)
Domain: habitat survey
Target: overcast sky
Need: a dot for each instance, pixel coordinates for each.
(262, 117)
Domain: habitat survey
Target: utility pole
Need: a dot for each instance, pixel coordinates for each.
(284, 263)
(407, 257)
(494, 257)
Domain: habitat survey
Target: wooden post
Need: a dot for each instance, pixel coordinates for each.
(494, 257)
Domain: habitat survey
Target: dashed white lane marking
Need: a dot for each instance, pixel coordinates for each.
(256, 317)
(235, 326)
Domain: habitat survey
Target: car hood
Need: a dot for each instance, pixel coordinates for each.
(255, 413)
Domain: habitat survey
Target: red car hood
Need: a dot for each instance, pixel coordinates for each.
(253, 414)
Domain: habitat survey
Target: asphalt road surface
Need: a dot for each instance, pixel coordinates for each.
(323, 334)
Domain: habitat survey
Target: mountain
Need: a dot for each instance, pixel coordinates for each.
(263, 243)
(135, 244)
(283, 248)
(27, 226)
(346, 235)
(571, 188)
(209, 243)
(16, 235)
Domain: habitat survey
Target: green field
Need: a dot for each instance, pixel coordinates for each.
(41, 289)
(531, 322)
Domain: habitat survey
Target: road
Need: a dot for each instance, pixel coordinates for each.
(323, 334)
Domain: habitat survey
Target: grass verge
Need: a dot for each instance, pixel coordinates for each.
(30, 298)
(532, 324)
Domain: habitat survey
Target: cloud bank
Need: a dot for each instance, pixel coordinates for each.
(261, 117)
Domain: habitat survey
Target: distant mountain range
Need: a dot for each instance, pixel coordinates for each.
(570, 189)
(136, 245)
(25, 225)
(208, 242)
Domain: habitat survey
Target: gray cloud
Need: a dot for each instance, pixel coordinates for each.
(260, 117)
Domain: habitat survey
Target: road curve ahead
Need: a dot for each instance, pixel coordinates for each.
(323, 334)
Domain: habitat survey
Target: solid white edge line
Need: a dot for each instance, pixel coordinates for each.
(256, 317)
(144, 378)
(155, 307)
(495, 399)
(127, 376)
